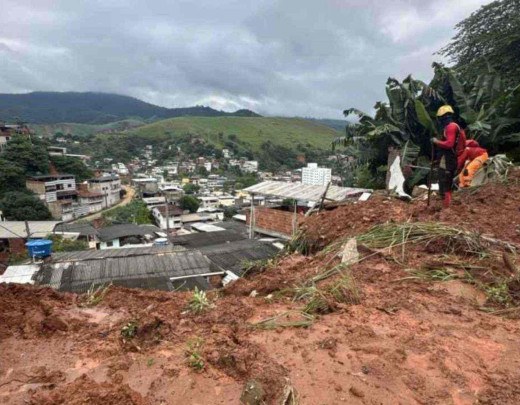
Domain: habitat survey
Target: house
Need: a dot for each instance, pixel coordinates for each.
(158, 267)
(209, 202)
(85, 232)
(283, 222)
(314, 175)
(60, 195)
(13, 236)
(146, 186)
(171, 192)
(122, 235)
(154, 201)
(168, 217)
(91, 199)
(7, 131)
(109, 185)
(51, 188)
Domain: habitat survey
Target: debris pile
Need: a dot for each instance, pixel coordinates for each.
(380, 301)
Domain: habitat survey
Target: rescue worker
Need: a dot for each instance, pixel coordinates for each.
(476, 156)
(451, 149)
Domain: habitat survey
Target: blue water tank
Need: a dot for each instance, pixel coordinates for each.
(39, 247)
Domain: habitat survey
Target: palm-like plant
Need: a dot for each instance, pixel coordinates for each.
(489, 111)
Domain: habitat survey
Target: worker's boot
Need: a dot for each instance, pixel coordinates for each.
(447, 199)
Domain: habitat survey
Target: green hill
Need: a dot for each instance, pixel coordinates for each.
(274, 142)
(253, 132)
(93, 108)
(85, 130)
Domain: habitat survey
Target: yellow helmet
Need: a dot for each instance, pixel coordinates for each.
(445, 109)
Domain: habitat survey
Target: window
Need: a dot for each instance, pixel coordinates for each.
(110, 244)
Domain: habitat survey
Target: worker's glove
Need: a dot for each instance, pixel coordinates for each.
(433, 140)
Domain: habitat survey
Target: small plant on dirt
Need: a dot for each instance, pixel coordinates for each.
(95, 295)
(150, 362)
(498, 293)
(194, 355)
(129, 331)
(199, 302)
(289, 319)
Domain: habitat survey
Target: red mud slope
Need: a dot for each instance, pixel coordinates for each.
(401, 340)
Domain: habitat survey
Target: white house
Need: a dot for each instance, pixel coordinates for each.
(174, 214)
(109, 185)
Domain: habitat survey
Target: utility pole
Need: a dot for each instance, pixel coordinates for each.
(27, 230)
(167, 218)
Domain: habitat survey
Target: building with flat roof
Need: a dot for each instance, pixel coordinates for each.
(109, 185)
(316, 176)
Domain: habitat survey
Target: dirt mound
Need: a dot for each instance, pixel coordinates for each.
(86, 391)
(31, 312)
(493, 209)
(430, 322)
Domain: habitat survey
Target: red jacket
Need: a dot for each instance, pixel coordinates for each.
(474, 152)
(450, 135)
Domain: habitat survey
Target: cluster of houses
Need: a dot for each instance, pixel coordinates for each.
(68, 200)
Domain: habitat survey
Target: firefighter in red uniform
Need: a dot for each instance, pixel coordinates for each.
(451, 149)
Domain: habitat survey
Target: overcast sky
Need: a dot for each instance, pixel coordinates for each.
(277, 57)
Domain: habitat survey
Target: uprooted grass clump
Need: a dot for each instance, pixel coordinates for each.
(288, 319)
(95, 295)
(325, 300)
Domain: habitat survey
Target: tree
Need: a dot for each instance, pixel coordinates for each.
(11, 177)
(29, 153)
(72, 165)
(188, 202)
(490, 37)
(23, 206)
(134, 212)
(485, 108)
(230, 212)
(191, 188)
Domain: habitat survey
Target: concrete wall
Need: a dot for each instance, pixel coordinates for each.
(275, 221)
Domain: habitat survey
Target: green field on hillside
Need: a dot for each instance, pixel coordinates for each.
(84, 130)
(253, 132)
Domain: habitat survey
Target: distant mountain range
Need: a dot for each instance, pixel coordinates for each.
(93, 108)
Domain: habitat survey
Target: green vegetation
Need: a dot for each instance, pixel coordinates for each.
(487, 109)
(77, 132)
(190, 203)
(23, 206)
(72, 165)
(133, 212)
(194, 355)
(129, 331)
(489, 38)
(253, 132)
(199, 302)
(95, 295)
(191, 188)
(92, 108)
(28, 153)
(61, 244)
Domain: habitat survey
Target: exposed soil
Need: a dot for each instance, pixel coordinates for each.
(407, 340)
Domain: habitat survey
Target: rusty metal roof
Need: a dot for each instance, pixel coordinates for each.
(299, 191)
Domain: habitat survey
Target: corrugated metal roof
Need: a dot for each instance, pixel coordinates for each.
(16, 229)
(106, 253)
(143, 271)
(123, 230)
(198, 240)
(233, 256)
(19, 274)
(299, 191)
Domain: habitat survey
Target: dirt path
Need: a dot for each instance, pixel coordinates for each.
(130, 193)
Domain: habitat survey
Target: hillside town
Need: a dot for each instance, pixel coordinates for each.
(188, 206)
(263, 203)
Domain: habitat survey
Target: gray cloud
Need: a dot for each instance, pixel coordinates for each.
(284, 57)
